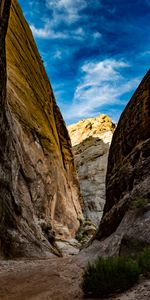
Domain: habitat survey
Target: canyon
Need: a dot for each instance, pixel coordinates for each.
(40, 199)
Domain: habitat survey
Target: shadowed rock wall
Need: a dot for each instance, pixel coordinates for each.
(128, 173)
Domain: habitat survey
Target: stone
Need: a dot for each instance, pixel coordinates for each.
(71, 247)
(127, 209)
(91, 140)
(39, 190)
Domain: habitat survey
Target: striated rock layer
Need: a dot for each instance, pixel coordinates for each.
(91, 139)
(39, 192)
(128, 173)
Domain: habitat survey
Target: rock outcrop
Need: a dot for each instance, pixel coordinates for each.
(91, 140)
(127, 207)
(39, 191)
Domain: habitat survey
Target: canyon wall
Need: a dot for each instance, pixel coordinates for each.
(39, 190)
(127, 208)
(91, 140)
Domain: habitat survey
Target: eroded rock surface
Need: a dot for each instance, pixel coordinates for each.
(128, 175)
(39, 192)
(91, 140)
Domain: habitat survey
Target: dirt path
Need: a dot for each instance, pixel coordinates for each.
(56, 278)
(53, 279)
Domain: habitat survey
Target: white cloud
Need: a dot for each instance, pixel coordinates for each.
(97, 35)
(66, 10)
(101, 83)
(34, 8)
(47, 32)
(58, 54)
(79, 31)
(145, 53)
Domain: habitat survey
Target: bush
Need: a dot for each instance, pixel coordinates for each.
(138, 202)
(85, 232)
(109, 275)
(144, 261)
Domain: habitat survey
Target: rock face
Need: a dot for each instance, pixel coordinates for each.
(39, 191)
(91, 139)
(128, 173)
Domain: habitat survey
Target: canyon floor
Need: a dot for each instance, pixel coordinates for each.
(55, 279)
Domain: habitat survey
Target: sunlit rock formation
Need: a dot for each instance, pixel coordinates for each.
(91, 140)
(39, 191)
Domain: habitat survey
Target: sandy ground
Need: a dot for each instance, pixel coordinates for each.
(55, 279)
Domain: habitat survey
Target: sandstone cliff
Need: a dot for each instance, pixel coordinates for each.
(127, 206)
(91, 139)
(39, 192)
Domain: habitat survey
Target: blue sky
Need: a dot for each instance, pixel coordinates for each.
(95, 51)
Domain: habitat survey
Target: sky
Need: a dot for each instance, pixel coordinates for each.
(95, 52)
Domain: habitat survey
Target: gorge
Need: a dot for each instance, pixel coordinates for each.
(40, 198)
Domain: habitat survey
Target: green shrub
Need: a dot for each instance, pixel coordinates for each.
(85, 232)
(138, 202)
(144, 261)
(109, 275)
